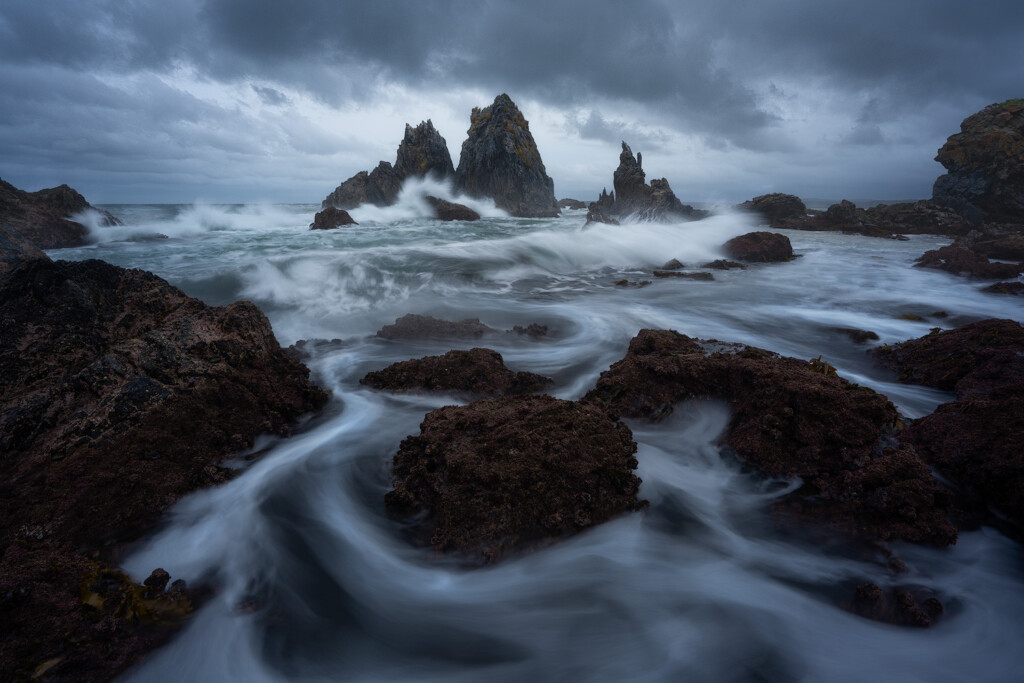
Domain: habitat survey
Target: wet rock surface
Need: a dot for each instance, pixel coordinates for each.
(500, 160)
(422, 152)
(776, 207)
(445, 210)
(511, 474)
(902, 606)
(791, 418)
(331, 218)
(478, 371)
(976, 439)
(119, 395)
(43, 217)
(413, 326)
(632, 196)
(985, 164)
(960, 258)
(699, 276)
(759, 247)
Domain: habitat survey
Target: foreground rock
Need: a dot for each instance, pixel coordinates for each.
(15, 249)
(422, 152)
(118, 395)
(511, 474)
(44, 217)
(976, 439)
(331, 218)
(500, 160)
(791, 418)
(632, 196)
(985, 164)
(445, 210)
(479, 371)
(759, 247)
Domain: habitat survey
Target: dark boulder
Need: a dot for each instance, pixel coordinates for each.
(412, 326)
(903, 606)
(1005, 247)
(118, 395)
(450, 211)
(43, 217)
(857, 336)
(791, 418)
(723, 264)
(776, 207)
(571, 204)
(331, 218)
(673, 264)
(985, 164)
(423, 153)
(500, 160)
(511, 474)
(960, 258)
(1015, 288)
(843, 213)
(975, 440)
(759, 247)
(477, 371)
(379, 187)
(15, 249)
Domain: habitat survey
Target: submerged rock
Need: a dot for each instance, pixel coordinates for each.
(985, 164)
(791, 418)
(477, 371)
(331, 218)
(500, 160)
(759, 247)
(503, 475)
(700, 276)
(1015, 288)
(118, 395)
(422, 152)
(974, 440)
(43, 217)
(450, 211)
(412, 326)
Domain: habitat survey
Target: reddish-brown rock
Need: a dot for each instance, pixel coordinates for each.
(759, 247)
(959, 258)
(118, 394)
(331, 218)
(477, 371)
(511, 474)
(790, 417)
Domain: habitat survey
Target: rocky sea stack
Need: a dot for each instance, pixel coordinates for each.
(44, 218)
(422, 152)
(632, 196)
(500, 160)
(985, 161)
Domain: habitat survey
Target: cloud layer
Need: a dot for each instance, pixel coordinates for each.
(238, 100)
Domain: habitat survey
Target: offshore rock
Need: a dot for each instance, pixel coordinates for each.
(759, 247)
(500, 160)
(776, 207)
(43, 217)
(791, 418)
(985, 164)
(422, 152)
(883, 220)
(974, 440)
(477, 371)
(118, 395)
(568, 203)
(445, 210)
(632, 196)
(412, 326)
(513, 474)
(331, 218)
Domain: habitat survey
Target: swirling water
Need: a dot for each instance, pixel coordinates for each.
(316, 584)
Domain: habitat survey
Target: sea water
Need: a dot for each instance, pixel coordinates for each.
(315, 583)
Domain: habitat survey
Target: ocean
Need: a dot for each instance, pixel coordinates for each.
(315, 583)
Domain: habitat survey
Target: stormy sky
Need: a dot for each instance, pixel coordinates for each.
(267, 100)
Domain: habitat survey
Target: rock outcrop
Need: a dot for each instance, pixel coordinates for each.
(776, 207)
(413, 326)
(512, 474)
(422, 152)
(759, 247)
(960, 258)
(331, 218)
(479, 371)
(44, 217)
(985, 164)
(975, 440)
(445, 210)
(118, 394)
(568, 203)
(500, 160)
(632, 196)
(791, 418)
